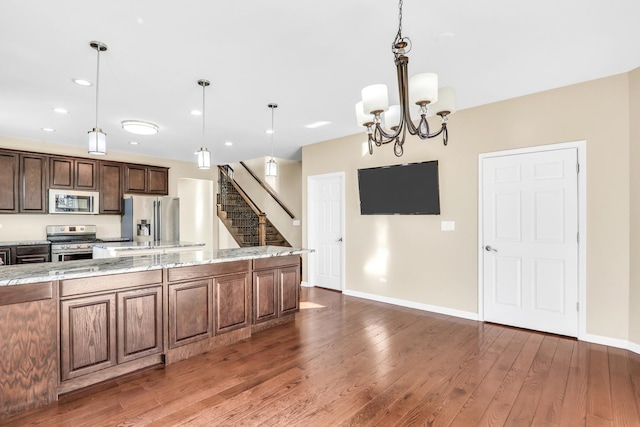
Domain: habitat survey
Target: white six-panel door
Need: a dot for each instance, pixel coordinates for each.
(530, 247)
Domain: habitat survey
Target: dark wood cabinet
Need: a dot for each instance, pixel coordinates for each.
(33, 196)
(232, 303)
(6, 255)
(139, 323)
(29, 254)
(9, 178)
(190, 312)
(111, 186)
(276, 287)
(87, 335)
(73, 173)
(146, 179)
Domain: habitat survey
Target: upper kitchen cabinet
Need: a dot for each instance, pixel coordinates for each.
(146, 179)
(33, 173)
(73, 173)
(111, 185)
(9, 177)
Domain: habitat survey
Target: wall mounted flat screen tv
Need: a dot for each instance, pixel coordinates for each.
(408, 189)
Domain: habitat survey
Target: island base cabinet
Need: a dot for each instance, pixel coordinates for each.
(276, 290)
(265, 296)
(232, 305)
(88, 335)
(139, 323)
(289, 281)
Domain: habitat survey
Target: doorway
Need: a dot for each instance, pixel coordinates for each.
(326, 230)
(531, 221)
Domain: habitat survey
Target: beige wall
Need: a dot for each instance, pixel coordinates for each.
(634, 294)
(409, 258)
(32, 227)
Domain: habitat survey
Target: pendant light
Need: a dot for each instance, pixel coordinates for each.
(204, 156)
(97, 138)
(271, 168)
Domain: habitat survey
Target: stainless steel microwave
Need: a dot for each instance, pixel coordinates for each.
(73, 202)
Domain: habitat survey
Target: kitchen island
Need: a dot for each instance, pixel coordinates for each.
(70, 325)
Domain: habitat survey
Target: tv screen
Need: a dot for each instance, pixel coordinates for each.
(408, 189)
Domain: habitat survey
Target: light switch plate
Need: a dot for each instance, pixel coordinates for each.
(296, 222)
(447, 225)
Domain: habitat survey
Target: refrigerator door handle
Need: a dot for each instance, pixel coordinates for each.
(159, 222)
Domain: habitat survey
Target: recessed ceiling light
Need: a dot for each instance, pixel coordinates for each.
(48, 129)
(269, 131)
(228, 143)
(316, 125)
(133, 142)
(82, 82)
(61, 110)
(196, 112)
(139, 127)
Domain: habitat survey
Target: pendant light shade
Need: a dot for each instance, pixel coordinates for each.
(204, 156)
(97, 138)
(97, 142)
(271, 167)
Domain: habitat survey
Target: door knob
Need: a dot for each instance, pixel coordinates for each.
(490, 249)
(339, 240)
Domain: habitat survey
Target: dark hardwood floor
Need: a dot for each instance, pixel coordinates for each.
(353, 362)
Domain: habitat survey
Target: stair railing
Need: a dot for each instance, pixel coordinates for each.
(224, 179)
(268, 190)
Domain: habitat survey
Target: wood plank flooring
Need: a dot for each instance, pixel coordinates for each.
(352, 362)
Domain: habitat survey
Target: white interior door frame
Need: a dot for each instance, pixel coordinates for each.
(581, 146)
(311, 237)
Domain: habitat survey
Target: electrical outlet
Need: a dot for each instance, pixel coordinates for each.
(447, 225)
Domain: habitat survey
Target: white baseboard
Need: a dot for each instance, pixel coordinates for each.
(306, 284)
(411, 304)
(611, 342)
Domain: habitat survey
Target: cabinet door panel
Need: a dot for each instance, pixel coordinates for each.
(9, 182)
(111, 188)
(86, 174)
(264, 296)
(289, 289)
(32, 180)
(139, 323)
(60, 172)
(190, 312)
(88, 340)
(135, 179)
(5, 256)
(232, 303)
(158, 181)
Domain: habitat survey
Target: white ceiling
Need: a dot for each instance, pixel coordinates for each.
(312, 58)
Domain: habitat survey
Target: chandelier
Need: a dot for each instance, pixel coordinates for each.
(421, 90)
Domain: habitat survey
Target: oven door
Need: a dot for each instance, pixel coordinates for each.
(71, 255)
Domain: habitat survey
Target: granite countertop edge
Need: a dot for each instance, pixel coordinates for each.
(46, 272)
(137, 246)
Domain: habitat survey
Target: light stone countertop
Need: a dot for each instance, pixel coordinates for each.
(25, 243)
(133, 246)
(33, 273)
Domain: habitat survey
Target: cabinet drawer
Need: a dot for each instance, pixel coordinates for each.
(208, 270)
(108, 282)
(32, 250)
(276, 261)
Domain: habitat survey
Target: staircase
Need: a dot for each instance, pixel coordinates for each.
(248, 225)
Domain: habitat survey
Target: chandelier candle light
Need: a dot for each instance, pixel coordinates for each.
(204, 156)
(97, 138)
(271, 169)
(421, 90)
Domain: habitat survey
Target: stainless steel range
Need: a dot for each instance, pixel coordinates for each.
(71, 242)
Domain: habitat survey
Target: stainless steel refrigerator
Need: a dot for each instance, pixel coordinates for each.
(151, 219)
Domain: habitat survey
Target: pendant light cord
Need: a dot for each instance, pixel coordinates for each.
(97, 85)
(272, 131)
(203, 114)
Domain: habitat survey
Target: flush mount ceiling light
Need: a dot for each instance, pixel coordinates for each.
(97, 138)
(204, 156)
(139, 127)
(271, 168)
(421, 90)
(82, 82)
